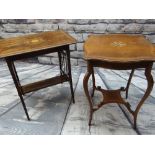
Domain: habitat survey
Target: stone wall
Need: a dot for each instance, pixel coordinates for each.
(78, 28)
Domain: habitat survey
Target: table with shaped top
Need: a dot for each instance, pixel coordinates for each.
(33, 45)
(118, 52)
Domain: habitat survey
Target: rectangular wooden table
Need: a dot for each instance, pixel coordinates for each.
(33, 45)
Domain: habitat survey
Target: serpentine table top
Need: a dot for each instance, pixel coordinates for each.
(119, 48)
(119, 52)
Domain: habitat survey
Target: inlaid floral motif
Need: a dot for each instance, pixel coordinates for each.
(118, 44)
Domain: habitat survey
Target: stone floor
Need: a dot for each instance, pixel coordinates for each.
(52, 111)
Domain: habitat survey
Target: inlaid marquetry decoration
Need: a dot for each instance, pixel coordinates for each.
(118, 44)
(34, 41)
(131, 52)
(33, 45)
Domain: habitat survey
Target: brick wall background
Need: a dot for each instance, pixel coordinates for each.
(78, 28)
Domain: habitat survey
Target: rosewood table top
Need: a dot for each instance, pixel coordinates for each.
(34, 42)
(119, 48)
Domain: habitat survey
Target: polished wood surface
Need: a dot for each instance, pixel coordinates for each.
(34, 43)
(43, 84)
(119, 48)
(118, 52)
(28, 46)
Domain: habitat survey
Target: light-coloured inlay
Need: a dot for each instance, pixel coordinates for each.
(34, 41)
(118, 44)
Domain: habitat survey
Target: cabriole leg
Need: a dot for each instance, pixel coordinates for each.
(150, 83)
(85, 86)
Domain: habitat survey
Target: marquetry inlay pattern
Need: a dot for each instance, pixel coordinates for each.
(118, 44)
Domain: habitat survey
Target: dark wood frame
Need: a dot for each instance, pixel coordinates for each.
(114, 96)
(65, 75)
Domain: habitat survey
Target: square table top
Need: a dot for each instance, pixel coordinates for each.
(34, 42)
(119, 48)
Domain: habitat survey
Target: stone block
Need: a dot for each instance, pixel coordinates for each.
(15, 28)
(96, 21)
(17, 21)
(77, 36)
(82, 62)
(11, 28)
(113, 21)
(37, 27)
(151, 38)
(72, 47)
(115, 28)
(42, 27)
(8, 35)
(140, 21)
(54, 54)
(76, 54)
(3, 21)
(149, 28)
(66, 27)
(50, 21)
(79, 46)
(55, 61)
(44, 60)
(78, 21)
(30, 21)
(22, 28)
(95, 28)
(132, 28)
(73, 54)
(85, 36)
(150, 21)
(74, 62)
(127, 21)
(31, 60)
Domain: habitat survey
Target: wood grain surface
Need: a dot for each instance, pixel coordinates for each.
(34, 42)
(119, 48)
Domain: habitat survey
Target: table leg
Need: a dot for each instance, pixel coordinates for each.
(85, 86)
(128, 84)
(60, 64)
(93, 80)
(150, 83)
(15, 78)
(69, 73)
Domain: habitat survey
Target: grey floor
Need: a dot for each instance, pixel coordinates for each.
(52, 111)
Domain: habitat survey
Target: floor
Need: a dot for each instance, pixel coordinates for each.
(53, 113)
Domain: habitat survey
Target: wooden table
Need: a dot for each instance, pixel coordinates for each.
(119, 52)
(28, 46)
